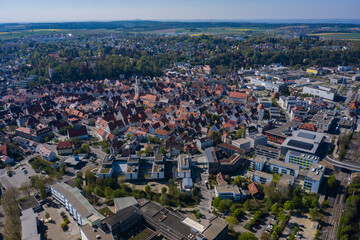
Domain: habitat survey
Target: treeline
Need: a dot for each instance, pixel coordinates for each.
(349, 223)
(12, 228)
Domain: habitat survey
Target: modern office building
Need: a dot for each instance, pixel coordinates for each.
(176, 227)
(242, 143)
(230, 192)
(262, 177)
(314, 178)
(257, 139)
(268, 152)
(320, 91)
(280, 167)
(302, 159)
(303, 141)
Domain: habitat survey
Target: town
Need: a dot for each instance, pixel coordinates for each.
(143, 136)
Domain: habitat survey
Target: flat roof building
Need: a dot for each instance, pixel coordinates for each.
(303, 141)
(262, 177)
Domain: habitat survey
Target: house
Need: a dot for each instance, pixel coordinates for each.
(64, 148)
(161, 133)
(240, 97)
(78, 133)
(255, 191)
(45, 153)
(5, 159)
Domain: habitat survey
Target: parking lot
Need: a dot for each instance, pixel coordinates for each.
(304, 224)
(18, 176)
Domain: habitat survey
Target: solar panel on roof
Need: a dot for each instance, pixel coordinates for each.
(298, 144)
(306, 135)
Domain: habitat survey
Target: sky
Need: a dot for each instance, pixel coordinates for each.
(12, 11)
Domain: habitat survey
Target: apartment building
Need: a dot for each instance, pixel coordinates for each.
(262, 177)
(268, 152)
(280, 167)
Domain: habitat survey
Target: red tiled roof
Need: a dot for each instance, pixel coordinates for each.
(64, 145)
(238, 95)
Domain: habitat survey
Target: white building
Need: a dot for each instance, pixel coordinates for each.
(320, 91)
(314, 178)
(258, 162)
(158, 168)
(262, 177)
(229, 192)
(76, 204)
(184, 169)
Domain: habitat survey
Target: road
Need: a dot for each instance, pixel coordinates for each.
(206, 199)
(348, 166)
(336, 202)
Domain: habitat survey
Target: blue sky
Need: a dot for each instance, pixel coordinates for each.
(105, 10)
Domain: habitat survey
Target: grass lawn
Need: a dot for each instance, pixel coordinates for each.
(106, 212)
(143, 235)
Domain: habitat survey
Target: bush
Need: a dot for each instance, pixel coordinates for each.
(63, 214)
(66, 220)
(64, 226)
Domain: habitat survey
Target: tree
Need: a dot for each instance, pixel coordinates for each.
(42, 189)
(274, 209)
(216, 202)
(289, 205)
(314, 214)
(47, 215)
(12, 227)
(331, 181)
(216, 137)
(232, 220)
(247, 236)
(26, 188)
(85, 148)
(162, 150)
(224, 205)
(78, 183)
(163, 190)
(149, 151)
(147, 189)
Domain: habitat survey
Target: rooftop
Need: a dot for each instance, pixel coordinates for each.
(283, 164)
(315, 171)
(227, 188)
(262, 174)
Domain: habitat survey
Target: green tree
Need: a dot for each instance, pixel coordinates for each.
(149, 151)
(216, 202)
(331, 181)
(247, 236)
(232, 220)
(47, 215)
(147, 189)
(42, 190)
(163, 190)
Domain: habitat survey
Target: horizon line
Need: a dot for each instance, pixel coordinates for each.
(255, 20)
